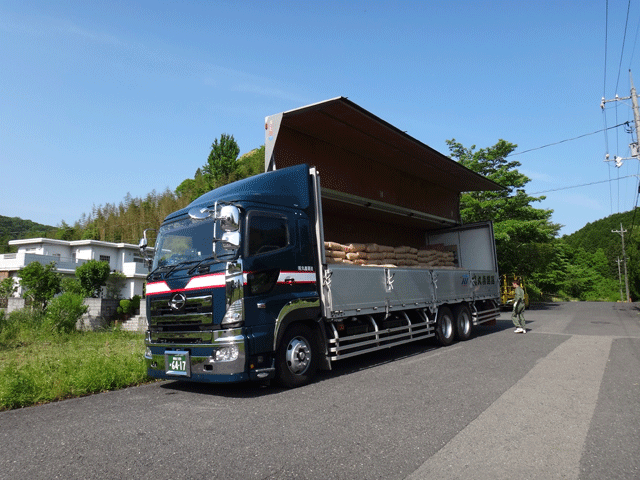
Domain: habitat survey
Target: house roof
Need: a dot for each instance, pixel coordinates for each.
(71, 243)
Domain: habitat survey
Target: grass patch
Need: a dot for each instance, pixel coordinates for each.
(39, 364)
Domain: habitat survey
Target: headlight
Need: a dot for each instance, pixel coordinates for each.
(235, 313)
(227, 354)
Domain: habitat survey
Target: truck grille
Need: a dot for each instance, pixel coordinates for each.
(194, 311)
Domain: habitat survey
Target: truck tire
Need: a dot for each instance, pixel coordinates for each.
(464, 324)
(445, 329)
(297, 357)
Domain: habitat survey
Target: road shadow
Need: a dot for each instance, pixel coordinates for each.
(544, 306)
(338, 368)
(375, 359)
(231, 390)
(501, 324)
(626, 307)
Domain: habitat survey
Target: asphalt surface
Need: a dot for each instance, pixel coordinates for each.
(562, 401)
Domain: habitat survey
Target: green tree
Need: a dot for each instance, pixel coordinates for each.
(7, 289)
(192, 188)
(602, 234)
(222, 161)
(41, 283)
(93, 275)
(250, 164)
(65, 232)
(552, 267)
(115, 283)
(72, 285)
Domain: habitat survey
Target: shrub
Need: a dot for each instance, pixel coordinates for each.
(125, 307)
(93, 275)
(64, 311)
(135, 303)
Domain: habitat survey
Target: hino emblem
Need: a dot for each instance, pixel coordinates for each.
(177, 302)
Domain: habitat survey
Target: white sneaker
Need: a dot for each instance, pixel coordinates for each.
(517, 330)
(523, 330)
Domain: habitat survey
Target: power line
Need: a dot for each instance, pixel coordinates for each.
(624, 38)
(606, 35)
(635, 40)
(582, 185)
(604, 92)
(568, 139)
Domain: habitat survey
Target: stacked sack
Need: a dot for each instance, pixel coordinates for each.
(334, 252)
(369, 254)
(380, 255)
(406, 257)
(435, 258)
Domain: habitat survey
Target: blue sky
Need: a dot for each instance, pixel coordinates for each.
(101, 99)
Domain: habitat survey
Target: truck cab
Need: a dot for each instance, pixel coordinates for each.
(224, 269)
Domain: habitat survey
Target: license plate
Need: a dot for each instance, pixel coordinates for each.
(177, 363)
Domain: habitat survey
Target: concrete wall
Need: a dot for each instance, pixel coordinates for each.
(101, 310)
(14, 303)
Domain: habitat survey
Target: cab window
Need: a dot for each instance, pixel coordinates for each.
(267, 233)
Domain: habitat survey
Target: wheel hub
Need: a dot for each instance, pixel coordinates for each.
(298, 356)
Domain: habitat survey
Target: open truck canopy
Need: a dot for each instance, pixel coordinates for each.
(368, 163)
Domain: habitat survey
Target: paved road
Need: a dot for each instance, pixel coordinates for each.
(562, 401)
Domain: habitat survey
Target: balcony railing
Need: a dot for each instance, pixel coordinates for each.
(134, 268)
(16, 261)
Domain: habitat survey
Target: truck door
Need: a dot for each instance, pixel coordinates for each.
(272, 255)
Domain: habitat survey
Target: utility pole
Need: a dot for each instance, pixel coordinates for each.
(624, 259)
(620, 280)
(636, 113)
(635, 147)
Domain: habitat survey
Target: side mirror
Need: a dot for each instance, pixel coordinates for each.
(229, 218)
(143, 245)
(231, 240)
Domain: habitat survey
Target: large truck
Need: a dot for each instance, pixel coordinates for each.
(349, 243)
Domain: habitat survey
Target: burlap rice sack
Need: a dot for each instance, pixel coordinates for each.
(364, 256)
(334, 246)
(372, 248)
(356, 247)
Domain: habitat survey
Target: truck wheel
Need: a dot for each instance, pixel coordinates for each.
(297, 357)
(445, 330)
(464, 325)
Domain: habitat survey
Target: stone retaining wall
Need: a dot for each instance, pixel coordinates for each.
(101, 310)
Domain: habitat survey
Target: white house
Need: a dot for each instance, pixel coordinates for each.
(68, 255)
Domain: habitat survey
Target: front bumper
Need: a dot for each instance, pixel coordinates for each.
(218, 356)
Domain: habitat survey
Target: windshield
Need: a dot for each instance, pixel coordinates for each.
(186, 241)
